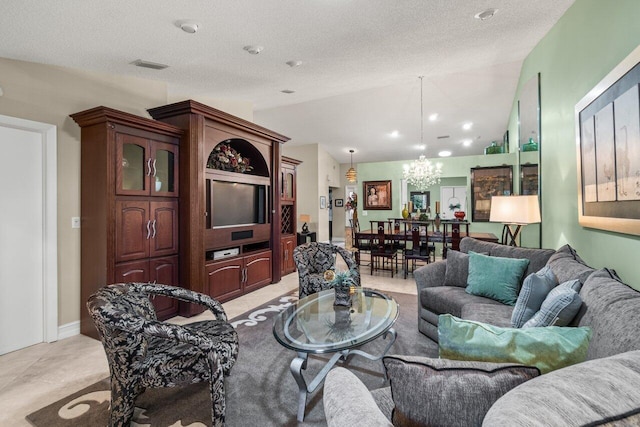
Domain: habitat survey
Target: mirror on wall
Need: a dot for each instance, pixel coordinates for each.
(529, 145)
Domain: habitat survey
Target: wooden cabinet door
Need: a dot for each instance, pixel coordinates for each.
(225, 278)
(133, 230)
(136, 271)
(164, 169)
(288, 184)
(133, 165)
(164, 228)
(165, 272)
(257, 270)
(288, 264)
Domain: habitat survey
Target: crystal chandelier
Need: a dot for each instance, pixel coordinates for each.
(422, 174)
(351, 173)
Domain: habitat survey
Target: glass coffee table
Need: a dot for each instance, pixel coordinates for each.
(314, 325)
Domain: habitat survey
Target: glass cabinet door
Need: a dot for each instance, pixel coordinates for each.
(133, 165)
(164, 167)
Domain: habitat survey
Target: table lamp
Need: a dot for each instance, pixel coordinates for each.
(515, 212)
(305, 218)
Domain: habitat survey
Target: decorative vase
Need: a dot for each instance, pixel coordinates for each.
(405, 212)
(459, 215)
(343, 296)
(530, 146)
(437, 222)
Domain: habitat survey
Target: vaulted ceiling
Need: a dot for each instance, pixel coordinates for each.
(360, 61)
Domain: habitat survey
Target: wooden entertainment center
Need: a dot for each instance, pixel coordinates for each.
(196, 198)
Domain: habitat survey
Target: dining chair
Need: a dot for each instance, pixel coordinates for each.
(420, 249)
(383, 252)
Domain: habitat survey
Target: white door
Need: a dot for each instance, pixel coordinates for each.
(23, 243)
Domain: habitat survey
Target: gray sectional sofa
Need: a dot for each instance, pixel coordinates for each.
(603, 390)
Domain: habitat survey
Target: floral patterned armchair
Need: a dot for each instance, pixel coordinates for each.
(313, 259)
(143, 352)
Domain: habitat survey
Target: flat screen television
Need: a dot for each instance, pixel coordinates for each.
(233, 204)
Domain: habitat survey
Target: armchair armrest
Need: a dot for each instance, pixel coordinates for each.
(186, 295)
(430, 275)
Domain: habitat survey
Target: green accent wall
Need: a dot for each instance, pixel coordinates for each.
(591, 39)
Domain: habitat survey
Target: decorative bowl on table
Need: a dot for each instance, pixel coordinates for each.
(459, 215)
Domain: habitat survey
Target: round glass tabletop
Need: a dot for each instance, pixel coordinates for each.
(315, 325)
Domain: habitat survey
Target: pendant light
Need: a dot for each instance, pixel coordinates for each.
(351, 173)
(422, 174)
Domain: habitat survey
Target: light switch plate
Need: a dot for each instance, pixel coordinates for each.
(75, 222)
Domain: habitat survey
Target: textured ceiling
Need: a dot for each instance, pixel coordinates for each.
(361, 61)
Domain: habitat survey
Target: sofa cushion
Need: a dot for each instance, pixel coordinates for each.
(535, 289)
(441, 392)
(612, 310)
(547, 348)
(559, 307)
(588, 394)
(567, 265)
(449, 299)
(497, 278)
(495, 314)
(457, 269)
(537, 257)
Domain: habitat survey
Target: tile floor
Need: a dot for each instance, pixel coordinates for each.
(41, 374)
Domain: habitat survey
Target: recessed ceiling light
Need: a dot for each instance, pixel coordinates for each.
(467, 142)
(433, 117)
(467, 126)
(189, 26)
(394, 134)
(444, 153)
(288, 91)
(421, 147)
(254, 50)
(294, 64)
(486, 14)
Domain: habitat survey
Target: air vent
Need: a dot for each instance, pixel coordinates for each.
(443, 137)
(147, 64)
(288, 91)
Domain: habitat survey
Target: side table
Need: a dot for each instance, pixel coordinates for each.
(304, 237)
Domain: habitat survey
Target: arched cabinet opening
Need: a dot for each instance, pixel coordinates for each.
(239, 156)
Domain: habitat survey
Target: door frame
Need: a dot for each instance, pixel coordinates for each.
(48, 138)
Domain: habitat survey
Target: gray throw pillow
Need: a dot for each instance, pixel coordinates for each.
(535, 289)
(559, 307)
(457, 269)
(441, 392)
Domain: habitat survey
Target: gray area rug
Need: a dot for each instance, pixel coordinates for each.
(260, 391)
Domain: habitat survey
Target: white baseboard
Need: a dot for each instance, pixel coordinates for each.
(69, 330)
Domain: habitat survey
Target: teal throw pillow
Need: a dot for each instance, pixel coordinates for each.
(535, 289)
(559, 307)
(494, 277)
(548, 348)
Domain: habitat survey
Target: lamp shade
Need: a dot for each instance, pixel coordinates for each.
(305, 218)
(515, 209)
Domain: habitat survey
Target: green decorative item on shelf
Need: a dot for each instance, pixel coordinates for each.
(530, 146)
(494, 148)
(405, 212)
(423, 217)
(224, 157)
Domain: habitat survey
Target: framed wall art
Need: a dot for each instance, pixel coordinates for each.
(323, 202)
(528, 180)
(377, 195)
(608, 150)
(486, 183)
(420, 200)
(339, 203)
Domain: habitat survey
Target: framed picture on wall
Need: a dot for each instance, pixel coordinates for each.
(528, 180)
(608, 150)
(323, 202)
(377, 195)
(420, 200)
(486, 183)
(339, 203)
